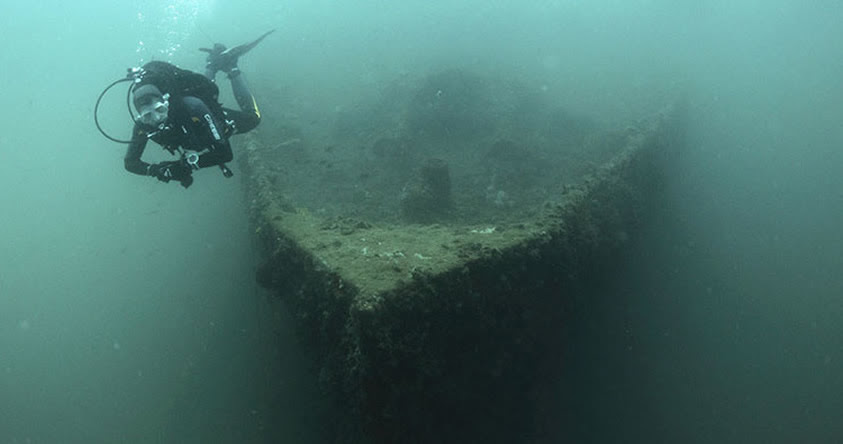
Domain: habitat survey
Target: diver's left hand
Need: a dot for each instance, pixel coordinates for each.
(221, 60)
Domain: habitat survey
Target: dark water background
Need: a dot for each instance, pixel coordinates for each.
(128, 309)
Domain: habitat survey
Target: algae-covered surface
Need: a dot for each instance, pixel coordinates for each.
(430, 246)
(378, 258)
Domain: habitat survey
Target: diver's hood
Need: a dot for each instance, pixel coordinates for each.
(143, 94)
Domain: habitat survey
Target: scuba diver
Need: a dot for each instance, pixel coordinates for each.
(179, 110)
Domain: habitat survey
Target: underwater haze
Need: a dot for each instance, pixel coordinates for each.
(129, 310)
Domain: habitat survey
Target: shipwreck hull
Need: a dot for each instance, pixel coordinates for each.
(447, 332)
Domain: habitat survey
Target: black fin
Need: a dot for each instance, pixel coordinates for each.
(239, 50)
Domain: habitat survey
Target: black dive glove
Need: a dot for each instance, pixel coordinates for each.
(174, 170)
(221, 60)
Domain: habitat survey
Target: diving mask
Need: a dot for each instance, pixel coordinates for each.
(153, 107)
(155, 112)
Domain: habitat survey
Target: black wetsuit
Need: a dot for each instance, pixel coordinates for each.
(192, 125)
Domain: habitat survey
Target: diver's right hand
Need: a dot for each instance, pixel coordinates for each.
(173, 170)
